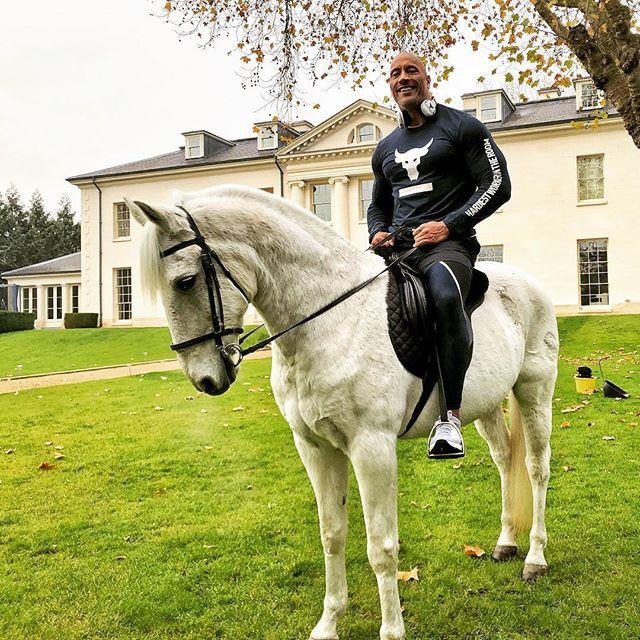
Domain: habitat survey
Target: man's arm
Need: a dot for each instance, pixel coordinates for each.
(488, 169)
(380, 212)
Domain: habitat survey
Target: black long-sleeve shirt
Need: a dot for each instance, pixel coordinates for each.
(449, 169)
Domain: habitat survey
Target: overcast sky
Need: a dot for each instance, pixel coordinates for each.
(87, 84)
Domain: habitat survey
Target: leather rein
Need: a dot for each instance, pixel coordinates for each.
(232, 352)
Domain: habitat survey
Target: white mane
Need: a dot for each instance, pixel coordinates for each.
(263, 217)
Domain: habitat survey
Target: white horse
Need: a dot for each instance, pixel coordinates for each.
(337, 380)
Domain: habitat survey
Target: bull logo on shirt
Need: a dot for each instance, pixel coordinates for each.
(411, 159)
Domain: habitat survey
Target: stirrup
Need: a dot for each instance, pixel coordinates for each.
(442, 449)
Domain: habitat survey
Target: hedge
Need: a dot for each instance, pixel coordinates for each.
(16, 321)
(80, 320)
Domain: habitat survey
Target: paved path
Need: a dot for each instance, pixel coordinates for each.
(21, 383)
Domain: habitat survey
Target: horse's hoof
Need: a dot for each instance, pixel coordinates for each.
(533, 571)
(504, 552)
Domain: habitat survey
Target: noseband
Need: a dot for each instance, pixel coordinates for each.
(232, 352)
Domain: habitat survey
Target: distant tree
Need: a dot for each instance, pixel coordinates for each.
(29, 235)
(539, 42)
(66, 231)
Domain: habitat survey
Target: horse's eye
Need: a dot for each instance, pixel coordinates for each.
(186, 283)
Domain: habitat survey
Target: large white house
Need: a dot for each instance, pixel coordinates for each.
(570, 222)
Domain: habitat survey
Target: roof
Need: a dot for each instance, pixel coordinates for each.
(64, 264)
(527, 114)
(243, 149)
(544, 112)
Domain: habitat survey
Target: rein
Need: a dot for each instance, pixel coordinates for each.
(233, 353)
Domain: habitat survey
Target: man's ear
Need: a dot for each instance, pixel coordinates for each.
(144, 213)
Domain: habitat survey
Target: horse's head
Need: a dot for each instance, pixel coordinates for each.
(199, 301)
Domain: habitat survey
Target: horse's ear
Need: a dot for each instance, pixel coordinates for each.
(144, 212)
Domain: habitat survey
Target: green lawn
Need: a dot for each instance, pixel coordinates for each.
(27, 352)
(181, 524)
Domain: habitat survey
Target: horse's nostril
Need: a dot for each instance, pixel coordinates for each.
(208, 385)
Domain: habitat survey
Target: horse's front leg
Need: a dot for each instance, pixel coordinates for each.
(373, 457)
(329, 473)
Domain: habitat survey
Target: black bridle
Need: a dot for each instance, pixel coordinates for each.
(233, 353)
(209, 258)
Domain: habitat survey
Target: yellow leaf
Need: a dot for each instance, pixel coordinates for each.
(46, 466)
(565, 424)
(408, 576)
(167, 6)
(473, 551)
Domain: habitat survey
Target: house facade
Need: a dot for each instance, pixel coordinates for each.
(570, 221)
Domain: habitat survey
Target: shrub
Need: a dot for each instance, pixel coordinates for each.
(16, 321)
(80, 320)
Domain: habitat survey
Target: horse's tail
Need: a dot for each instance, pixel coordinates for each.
(519, 497)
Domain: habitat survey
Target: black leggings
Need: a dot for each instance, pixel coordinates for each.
(448, 285)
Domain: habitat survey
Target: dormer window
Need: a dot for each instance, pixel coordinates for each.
(488, 108)
(267, 138)
(587, 96)
(194, 146)
(364, 133)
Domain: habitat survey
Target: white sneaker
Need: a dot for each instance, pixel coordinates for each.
(445, 439)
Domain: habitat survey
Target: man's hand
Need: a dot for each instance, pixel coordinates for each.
(379, 237)
(430, 233)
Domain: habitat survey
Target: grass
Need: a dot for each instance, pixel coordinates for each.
(181, 524)
(29, 352)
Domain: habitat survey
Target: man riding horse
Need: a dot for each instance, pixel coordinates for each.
(438, 174)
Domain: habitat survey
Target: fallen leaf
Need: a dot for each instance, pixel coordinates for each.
(48, 443)
(158, 408)
(203, 411)
(46, 466)
(207, 447)
(608, 437)
(59, 447)
(10, 451)
(238, 408)
(473, 551)
(408, 576)
(121, 558)
(457, 465)
(567, 468)
(163, 378)
(565, 424)
(571, 409)
(188, 398)
(209, 546)
(58, 456)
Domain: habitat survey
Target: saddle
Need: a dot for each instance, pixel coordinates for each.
(411, 324)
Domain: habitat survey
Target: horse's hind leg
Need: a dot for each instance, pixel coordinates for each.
(534, 401)
(493, 429)
(329, 472)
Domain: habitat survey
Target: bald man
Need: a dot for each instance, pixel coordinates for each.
(439, 174)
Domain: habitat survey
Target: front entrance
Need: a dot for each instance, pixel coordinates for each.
(54, 305)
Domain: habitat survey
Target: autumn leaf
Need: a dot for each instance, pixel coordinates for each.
(473, 551)
(565, 424)
(571, 409)
(46, 466)
(608, 438)
(10, 451)
(58, 456)
(567, 468)
(408, 576)
(238, 408)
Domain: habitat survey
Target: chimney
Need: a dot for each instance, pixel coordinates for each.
(549, 93)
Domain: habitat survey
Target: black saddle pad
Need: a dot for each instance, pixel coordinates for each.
(410, 322)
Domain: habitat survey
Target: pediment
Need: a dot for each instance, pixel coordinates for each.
(334, 133)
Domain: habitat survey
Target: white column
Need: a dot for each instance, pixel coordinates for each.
(298, 192)
(340, 205)
(41, 315)
(66, 300)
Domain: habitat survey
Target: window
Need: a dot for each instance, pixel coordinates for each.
(365, 133)
(121, 221)
(123, 293)
(488, 108)
(75, 298)
(492, 252)
(54, 303)
(590, 177)
(322, 201)
(267, 138)
(589, 98)
(594, 272)
(194, 146)
(366, 187)
(29, 299)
